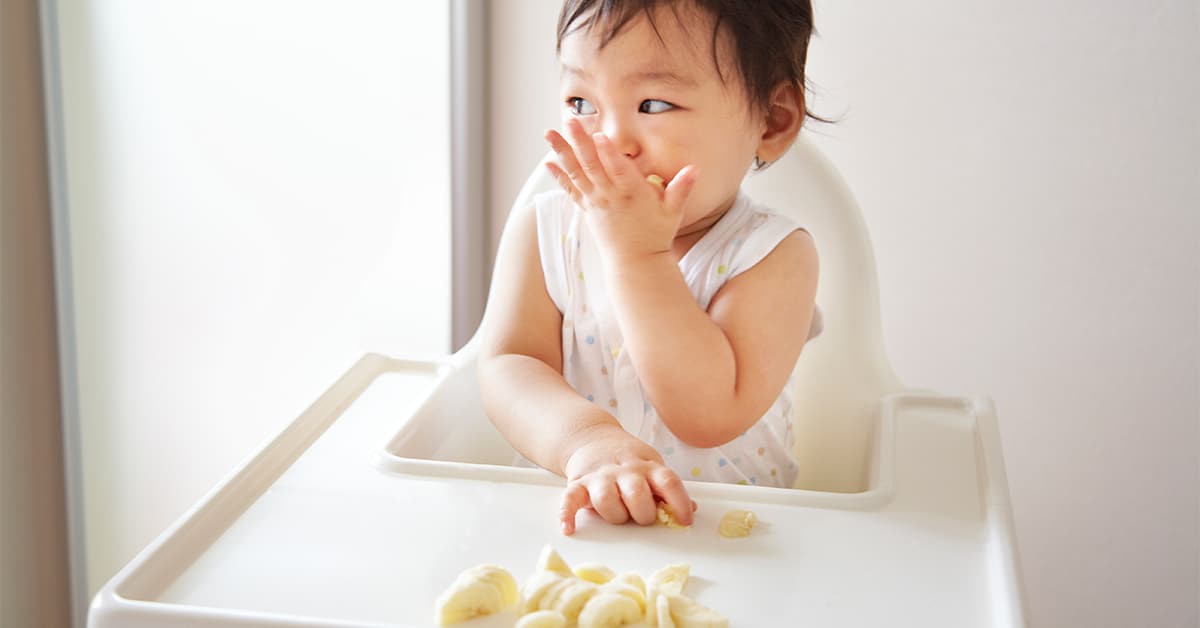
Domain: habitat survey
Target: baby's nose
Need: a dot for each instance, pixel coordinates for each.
(623, 136)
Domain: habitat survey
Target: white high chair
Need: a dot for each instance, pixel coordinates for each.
(368, 504)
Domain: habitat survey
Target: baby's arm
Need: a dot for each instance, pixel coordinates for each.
(548, 422)
(711, 374)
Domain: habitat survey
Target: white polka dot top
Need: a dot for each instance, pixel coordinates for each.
(595, 366)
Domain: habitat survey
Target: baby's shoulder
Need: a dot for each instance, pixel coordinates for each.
(760, 217)
(760, 231)
(553, 211)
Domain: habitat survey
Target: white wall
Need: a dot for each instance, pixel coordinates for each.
(1030, 173)
(258, 193)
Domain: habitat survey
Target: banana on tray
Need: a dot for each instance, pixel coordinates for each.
(590, 596)
(737, 523)
(480, 590)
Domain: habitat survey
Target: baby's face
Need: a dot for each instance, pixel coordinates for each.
(663, 104)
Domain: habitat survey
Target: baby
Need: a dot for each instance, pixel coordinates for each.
(644, 321)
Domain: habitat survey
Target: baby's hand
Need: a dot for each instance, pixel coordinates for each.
(619, 476)
(629, 215)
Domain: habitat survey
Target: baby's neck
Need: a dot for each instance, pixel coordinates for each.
(687, 237)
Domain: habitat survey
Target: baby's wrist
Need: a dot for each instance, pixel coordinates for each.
(635, 261)
(571, 464)
(621, 242)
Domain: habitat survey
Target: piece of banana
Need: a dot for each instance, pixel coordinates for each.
(628, 590)
(551, 561)
(737, 523)
(609, 610)
(537, 588)
(654, 179)
(688, 613)
(666, 518)
(542, 619)
(670, 579)
(660, 613)
(634, 580)
(548, 599)
(570, 597)
(480, 590)
(499, 578)
(594, 572)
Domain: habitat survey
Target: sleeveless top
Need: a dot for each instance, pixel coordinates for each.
(596, 367)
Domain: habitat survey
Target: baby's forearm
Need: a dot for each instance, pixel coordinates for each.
(683, 359)
(535, 409)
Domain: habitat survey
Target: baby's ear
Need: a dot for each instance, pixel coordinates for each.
(785, 116)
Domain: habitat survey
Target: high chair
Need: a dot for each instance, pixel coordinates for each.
(370, 503)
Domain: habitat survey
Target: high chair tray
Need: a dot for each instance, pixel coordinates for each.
(333, 524)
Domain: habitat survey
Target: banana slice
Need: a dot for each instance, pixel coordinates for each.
(551, 561)
(736, 524)
(660, 614)
(537, 588)
(633, 580)
(670, 579)
(688, 613)
(549, 600)
(499, 578)
(542, 619)
(628, 590)
(609, 610)
(594, 572)
(666, 518)
(480, 590)
(654, 179)
(467, 600)
(570, 598)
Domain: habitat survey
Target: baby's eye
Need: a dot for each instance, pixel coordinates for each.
(580, 107)
(654, 106)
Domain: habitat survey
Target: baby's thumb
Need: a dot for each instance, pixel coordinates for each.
(680, 189)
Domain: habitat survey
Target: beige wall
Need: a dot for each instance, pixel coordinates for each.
(1030, 179)
(524, 104)
(33, 533)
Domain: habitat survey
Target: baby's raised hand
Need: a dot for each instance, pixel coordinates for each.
(619, 476)
(628, 215)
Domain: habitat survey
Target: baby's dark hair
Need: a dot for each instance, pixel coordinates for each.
(770, 37)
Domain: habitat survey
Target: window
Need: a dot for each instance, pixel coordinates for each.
(250, 194)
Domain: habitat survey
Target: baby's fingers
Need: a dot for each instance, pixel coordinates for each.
(575, 498)
(680, 189)
(606, 501)
(585, 153)
(669, 487)
(564, 181)
(638, 498)
(568, 162)
(621, 170)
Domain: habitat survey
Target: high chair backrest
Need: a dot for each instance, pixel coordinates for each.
(842, 373)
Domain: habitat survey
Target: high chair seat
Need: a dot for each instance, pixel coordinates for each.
(370, 503)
